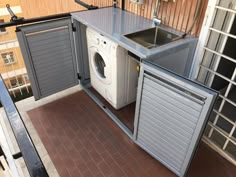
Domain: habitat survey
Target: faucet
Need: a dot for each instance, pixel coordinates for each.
(155, 20)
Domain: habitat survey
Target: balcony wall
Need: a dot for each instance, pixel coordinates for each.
(178, 15)
(13, 72)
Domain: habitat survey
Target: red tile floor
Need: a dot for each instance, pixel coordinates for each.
(125, 114)
(83, 141)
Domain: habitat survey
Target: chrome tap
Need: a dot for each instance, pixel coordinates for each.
(155, 20)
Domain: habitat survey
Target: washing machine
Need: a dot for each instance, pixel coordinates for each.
(113, 73)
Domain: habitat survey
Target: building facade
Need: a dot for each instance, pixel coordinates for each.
(12, 66)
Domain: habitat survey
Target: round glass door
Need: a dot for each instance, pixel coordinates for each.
(99, 65)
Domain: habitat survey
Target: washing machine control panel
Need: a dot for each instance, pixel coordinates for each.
(101, 42)
(98, 41)
(104, 43)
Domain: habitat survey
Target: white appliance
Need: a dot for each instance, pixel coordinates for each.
(113, 73)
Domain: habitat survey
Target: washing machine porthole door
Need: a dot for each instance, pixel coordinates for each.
(99, 65)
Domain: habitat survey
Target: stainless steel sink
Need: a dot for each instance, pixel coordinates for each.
(152, 37)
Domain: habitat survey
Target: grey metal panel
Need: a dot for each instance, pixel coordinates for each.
(49, 54)
(161, 150)
(177, 106)
(82, 55)
(52, 35)
(161, 123)
(168, 139)
(170, 109)
(43, 62)
(178, 59)
(52, 90)
(50, 49)
(47, 48)
(171, 95)
(183, 127)
(54, 69)
(54, 77)
(161, 127)
(55, 85)
(171, 113)
(54, 54)
(27, 60)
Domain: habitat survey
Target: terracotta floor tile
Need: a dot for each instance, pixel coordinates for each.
(105, 169)
(96, 157)
(87, 173)
(63, 172)
(75, 173)
(107, 157)
(84, 141)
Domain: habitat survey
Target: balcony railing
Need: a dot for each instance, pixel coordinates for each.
(14, 86)
(27, 148)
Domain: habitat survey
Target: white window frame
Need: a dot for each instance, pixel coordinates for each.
(207, 22)
(203, 38)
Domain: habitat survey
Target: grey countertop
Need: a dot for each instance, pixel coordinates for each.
(115, 23)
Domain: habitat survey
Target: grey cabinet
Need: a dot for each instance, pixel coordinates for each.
(171, 114)
(49, 54)
(171, 111)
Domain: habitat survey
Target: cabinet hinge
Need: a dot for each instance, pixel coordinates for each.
(78, 76)
(73, 27)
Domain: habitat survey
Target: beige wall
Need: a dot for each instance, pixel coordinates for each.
(5, 38)
(8, 43)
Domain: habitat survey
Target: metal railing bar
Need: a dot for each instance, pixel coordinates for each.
(89, 7)
(220, 54)
(123, 4)
(223, 101)
(40, 19)
(223, 77)
(222, 132)
(224, 117)
(31, 157)
(228, 100)
(225, 9)
(221, 32)
(228, 139)
(34, 20)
